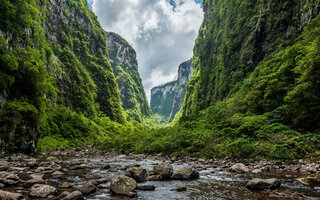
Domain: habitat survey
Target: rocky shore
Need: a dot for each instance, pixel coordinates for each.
(45, 176)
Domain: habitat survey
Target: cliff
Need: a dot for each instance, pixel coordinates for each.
(167, 99)
(55, 74)
(125, 66)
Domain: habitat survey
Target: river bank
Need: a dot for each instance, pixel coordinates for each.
(71, 171)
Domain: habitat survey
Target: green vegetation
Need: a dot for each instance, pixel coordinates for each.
(254, 91)
(125, 66)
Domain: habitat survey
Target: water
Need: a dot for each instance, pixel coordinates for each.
(214, 183)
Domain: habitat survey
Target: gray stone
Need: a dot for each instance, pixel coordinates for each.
(123, 185)
(186, 173)
(165, 170)
(137, 173)
(39, 190)
(262, 184)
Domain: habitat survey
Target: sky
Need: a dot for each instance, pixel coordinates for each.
(162, 32)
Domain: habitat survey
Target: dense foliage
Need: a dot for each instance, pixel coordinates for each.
(125, 66)
(53, 58)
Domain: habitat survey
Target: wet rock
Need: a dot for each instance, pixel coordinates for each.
(8, 181)
(64, 185)
(36, 179)
(64, 194)
(39, 190)
(256, 171)
(154, 178)
(146, 187)
(179, 189)
(87, 189)
(165, 170)
(4, 195)
(104, 186)
(186, 173)
(123, 185)
(93, 176)
(76, 195)
(239, 167)
(100, 181)
(57, 174)
(104, 167)
(262, 184)
(137, 173)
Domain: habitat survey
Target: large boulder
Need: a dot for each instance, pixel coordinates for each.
(186, 173)
(39, 190)
(123, 185)
(76, 195)
(262, 184)
(137, 173)
(87, 189)
(239, 167)
(4, 195)
(165, 170)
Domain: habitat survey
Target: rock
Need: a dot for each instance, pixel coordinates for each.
(165, 170)
(76, 195)
(154, 178)
(104, 186)
(12, 177)
(39, 190)
(262, 184)
(105, 167)
(146, 187)
(1, 185)
(57, 174)
(4, 195)
(93, 176)
(179, 189)
(100, 181)
(185, 173)
(64, 194)
(256, 171)
(137, 173)
(239, 167)
(36, 179)
(87, 189)
(64, 185)
(8, 181)
(123, 185)
(311, 180)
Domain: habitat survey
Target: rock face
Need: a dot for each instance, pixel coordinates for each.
(185, 173)
(167, 99)
(137, 173)
(123, 185)
(76, 69)
(42, 191)
(4, 195)
(239, 167)
(125, 66)
(164, 170)
(262, 184)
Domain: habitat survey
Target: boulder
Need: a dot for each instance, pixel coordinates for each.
(39, 190)
(239, 167)
(137, 173)
(165, 170)
(76, 195)
(87, 189)
(123, 185)
(4, 195)
(186, 173)
(64, 185)
(262, 184)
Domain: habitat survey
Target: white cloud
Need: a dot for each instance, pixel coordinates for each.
(162, 35)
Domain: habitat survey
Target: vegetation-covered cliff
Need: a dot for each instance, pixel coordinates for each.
(56, 80)
(125, 66)
(167, 99)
